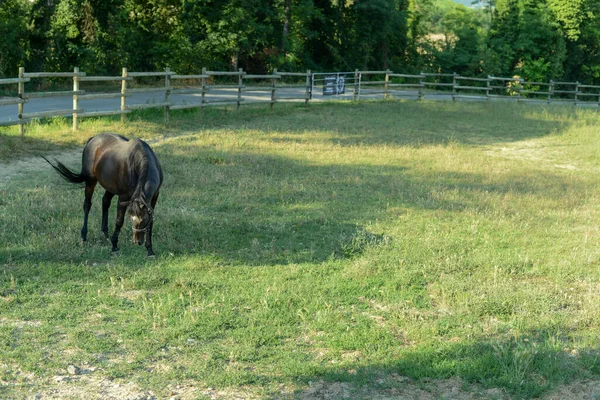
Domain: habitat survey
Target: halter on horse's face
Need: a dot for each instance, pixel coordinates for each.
(141, 215)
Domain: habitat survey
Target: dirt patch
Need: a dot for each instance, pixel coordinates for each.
(89, 384)
(530, 151)
(72, 158)
(86, 383)
(19, 324)
(585, 390)
(398, 387)
(226, 394)
(91, 387)
(22, 166)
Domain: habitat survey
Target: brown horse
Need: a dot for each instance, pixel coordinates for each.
(127, 168)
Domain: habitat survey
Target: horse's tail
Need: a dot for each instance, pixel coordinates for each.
(65, 172)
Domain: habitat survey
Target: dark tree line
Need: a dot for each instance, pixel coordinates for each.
(535, 39)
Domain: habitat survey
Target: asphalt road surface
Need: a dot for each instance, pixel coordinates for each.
(10, 113)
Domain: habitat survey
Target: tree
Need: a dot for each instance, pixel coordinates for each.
(375, 26)
(579, 20)
(570, 14)
(38, 36)
(463, 52)
(13, 31)
(502, 56)
(540, 45)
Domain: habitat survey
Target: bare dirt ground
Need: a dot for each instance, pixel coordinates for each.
(21, 166)
(89, 384)
(403, 388)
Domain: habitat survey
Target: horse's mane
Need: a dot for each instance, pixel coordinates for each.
(139, 157)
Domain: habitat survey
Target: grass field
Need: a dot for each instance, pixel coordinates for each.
(342, 250)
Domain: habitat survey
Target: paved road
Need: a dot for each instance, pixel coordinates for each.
(9, 113)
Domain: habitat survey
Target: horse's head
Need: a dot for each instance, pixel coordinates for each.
(141, 215)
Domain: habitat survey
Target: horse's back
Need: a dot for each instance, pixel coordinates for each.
(108, 157)
(107, 139)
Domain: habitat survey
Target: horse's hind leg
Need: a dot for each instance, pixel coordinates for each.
(87, 205)
(106, 199)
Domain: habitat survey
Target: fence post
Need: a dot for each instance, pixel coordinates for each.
(240, 82)
(387, 83)
(274, 89)
(550, 90)
(421, 86)
(488, 88)
(75, 98)
(123, 93)
(21, 95)
(167, 92)
(454, 86)
(576, 92)
(356, 92)
(203, 88)
(308, 88)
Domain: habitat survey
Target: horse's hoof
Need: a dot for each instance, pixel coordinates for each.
(151, 256)
(115, 253)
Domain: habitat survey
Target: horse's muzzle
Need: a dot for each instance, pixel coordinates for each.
(138, 238)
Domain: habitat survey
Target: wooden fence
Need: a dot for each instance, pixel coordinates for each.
(241, 87)
(201, 85)
(463, 87)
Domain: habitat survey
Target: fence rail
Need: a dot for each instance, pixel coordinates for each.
(240, 88)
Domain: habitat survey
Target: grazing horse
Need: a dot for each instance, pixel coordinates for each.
(127, 168)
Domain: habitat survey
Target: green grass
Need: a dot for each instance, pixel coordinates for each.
(340, 242)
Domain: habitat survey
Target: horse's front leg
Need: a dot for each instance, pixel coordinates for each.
(149, 240)
(87, 205)
(106, 199)
(150, 225)
(121, 208)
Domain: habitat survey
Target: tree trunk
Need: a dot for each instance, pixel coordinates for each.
(287, 14)
(385, 54)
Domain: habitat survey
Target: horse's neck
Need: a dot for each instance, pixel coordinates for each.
(143, 186)
(145, 190)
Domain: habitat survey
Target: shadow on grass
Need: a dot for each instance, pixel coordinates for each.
(36, 139)
(398, 123)
(255, 209)
(13, 147)
(247, 208)
(524, 366)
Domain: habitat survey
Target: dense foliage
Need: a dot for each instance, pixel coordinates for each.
(536, 39)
